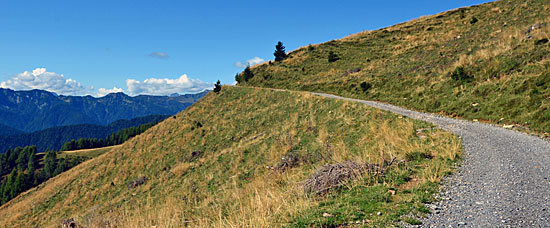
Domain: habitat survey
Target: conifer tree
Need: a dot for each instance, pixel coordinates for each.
(49, 164)
(238, 78)
(217, 87)
(31, 167)
(19, 184)
(247, 74)
(279, 53)
(9, 187)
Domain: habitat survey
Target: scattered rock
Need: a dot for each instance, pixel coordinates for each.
(475, 104)
(392, 192)
(255, 136)
(534, 27)
(420, 132)
(137, 182)
(327, 215)
(290, 160)
(194, 156)
(69, 223)
(379, 213)
(508, 126)
(348, 72)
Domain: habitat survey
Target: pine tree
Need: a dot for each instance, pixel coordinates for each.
(247, 74)
(279, 52)
(19, 184)
(31, 167)
(49, 164)
(21, 161)
(238, 78)
(217, 87)
(9, 187)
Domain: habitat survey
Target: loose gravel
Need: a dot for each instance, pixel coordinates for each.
(504, 180)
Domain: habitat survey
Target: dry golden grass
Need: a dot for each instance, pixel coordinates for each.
(245, 132)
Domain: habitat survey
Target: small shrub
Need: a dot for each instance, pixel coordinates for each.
(137, 182)
(474, 20)
(365, 86)
(541, 41)
(413, 221)
(332, 57)
(310, 48)
(460, 75)
(534, 92)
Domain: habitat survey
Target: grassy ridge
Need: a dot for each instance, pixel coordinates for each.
(210, 166)
(505, 75)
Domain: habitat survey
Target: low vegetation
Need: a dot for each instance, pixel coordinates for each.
(488, 62)
(241, 158)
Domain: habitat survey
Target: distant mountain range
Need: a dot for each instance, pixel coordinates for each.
(38, 109)
(5, 130)
(53, 138)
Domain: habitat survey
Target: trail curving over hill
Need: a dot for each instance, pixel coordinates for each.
(504, 180)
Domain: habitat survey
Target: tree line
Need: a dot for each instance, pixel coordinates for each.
(25, 170)
(54, 138)
(114, 139)
(22, 168)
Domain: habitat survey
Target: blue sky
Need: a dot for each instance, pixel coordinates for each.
(103, 44)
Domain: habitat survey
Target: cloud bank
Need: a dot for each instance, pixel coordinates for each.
(102, 91)
(165, 86)
(250, 62)
(40, 78)
(159, 55)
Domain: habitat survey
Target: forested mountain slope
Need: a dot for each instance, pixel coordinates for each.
(38, 109)
(53, 138)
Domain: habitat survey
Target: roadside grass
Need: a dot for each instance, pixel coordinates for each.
(505, 76)
(215, 165)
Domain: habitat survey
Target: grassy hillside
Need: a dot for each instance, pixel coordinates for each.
(220, 163)
(488, 62)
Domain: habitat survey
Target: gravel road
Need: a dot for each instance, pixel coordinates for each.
(504, 180)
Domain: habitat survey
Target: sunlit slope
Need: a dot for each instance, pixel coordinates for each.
(487, 62)
(219, 163)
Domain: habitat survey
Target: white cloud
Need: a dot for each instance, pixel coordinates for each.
(40, 78)
(250, 62)
(160, 55)
(165, 86)
(102, 91)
